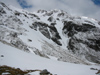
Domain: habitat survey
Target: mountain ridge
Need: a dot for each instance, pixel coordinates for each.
(51, 33)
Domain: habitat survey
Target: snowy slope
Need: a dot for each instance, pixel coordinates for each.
(52, 33)
(16, 58)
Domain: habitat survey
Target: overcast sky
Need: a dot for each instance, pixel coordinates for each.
(89, 8)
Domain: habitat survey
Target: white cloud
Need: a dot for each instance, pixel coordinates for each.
(75, 7)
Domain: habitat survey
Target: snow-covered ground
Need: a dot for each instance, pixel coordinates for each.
(20, 59)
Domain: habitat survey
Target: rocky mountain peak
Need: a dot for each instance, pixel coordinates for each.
(51, 33)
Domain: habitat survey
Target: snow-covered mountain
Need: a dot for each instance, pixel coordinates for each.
(51, 34)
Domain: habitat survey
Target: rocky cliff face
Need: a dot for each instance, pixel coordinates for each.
(51, 33)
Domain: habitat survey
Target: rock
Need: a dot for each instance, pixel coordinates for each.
(44, 72)
(2, 55)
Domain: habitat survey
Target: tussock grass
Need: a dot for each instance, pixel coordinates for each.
(14, 71)
(11, 71)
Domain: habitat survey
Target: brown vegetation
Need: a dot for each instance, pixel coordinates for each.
(11, 71)
(6, 70)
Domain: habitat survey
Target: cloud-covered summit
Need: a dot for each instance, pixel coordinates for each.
(89, 8)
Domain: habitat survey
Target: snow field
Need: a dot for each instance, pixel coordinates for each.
(20, 59)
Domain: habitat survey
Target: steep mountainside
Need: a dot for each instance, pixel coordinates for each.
(51, 33)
